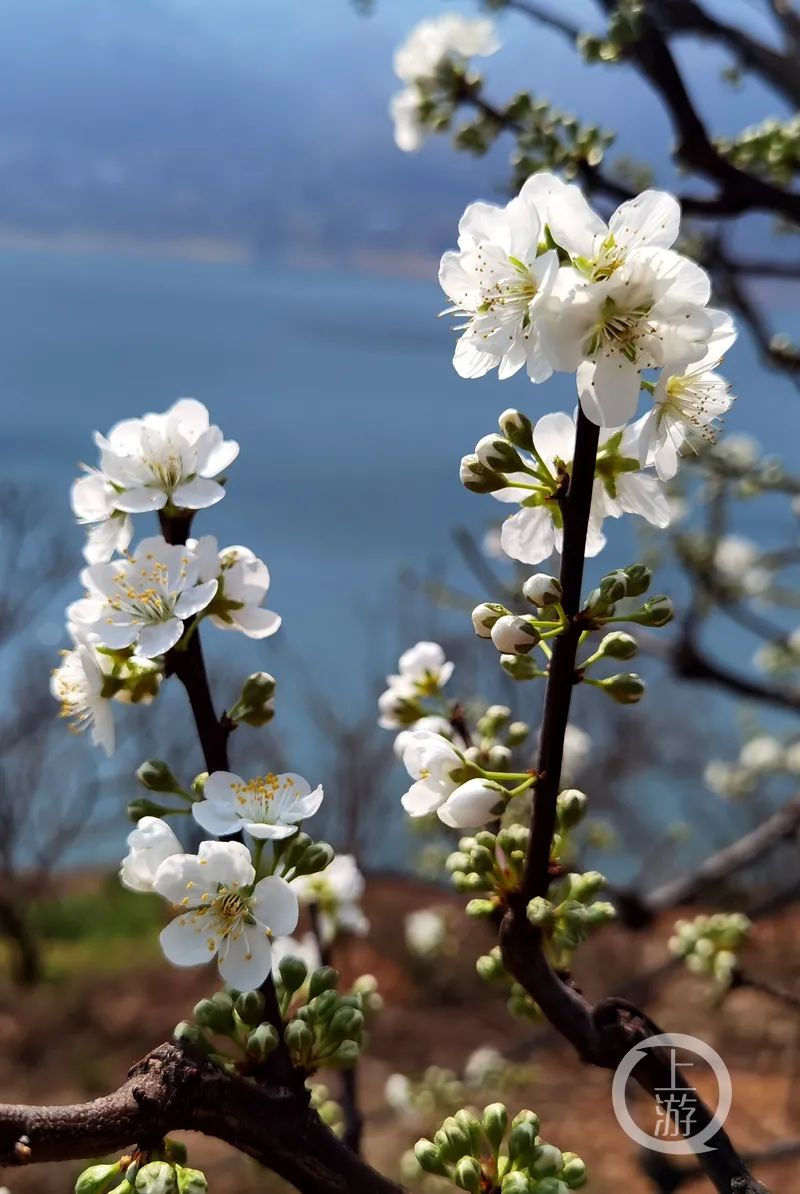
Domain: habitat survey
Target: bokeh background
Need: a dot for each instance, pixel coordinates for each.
(205, 199)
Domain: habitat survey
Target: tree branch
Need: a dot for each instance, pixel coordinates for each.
(171, 1090)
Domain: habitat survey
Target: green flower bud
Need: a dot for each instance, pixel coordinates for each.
(614, 586)
(97, 1179)
(489, 968)
(492, 720)
(198, 784)
(542, 590)
(187, 1033)
(658, 611)
(468, 1175)
(191, 1181)
(429, 1158)
(517, 732)
(479, 908)
(619, 645)
(315, 859)
(175, 1151)
(471, 1125)
(484, 617)
(250, 1007)
(478, 478)
(626, 688)
(514, 636)
(209, 1014)
(539, 911)
(571, 807)
(156, 1178)
(522, 1143)
(458, 1140)
(495, 1124)
(549, 1161)
(156, 776)
(293, 972)
(515, 1183)
(639, 578)
(323, 979)
(347, 1024)
(262, 1041)
(526, 1117)
(521, 667)
(549, 1185)
(518, 428)
(497, 454)
(299, 1038)
(573, 1172)
(322, 1006)
(142, 807)
(345, 1055)
(258, 687)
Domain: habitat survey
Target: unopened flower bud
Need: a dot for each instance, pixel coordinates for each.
(518, 428)
(479, 479)
(490, 968)
(262, 1041)
(526, 1117)
(521, 667)
(494, 717)
(619, 645)
(639, 578)
(496, 453)
(614, 586)
(517, 733)
(472, 803)
(626, 689)
(191, 1181)
(187, 1033)
(515, 1183)
(429, 1158)
(209, 1014)
(514, 636)
(97, 1179)
(347, 1024)
(258, 687)
(345, 1055)
(495, 1124)
(539, 911)
(158, 1177)
(156, 776)
(250, 1007)
(315, 859)
(293, 972)
(299, 1038)
(467, 1175)
(522, 1143)
(542, 589)
(571, 807)
(549, 1161)
(142, 807)
(658, 611)
(484, 617)
(323, 979)
(573, 1172)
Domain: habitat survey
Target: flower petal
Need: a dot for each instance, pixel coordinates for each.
(275, 905)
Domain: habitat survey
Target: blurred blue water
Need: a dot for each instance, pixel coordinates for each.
(350, 417)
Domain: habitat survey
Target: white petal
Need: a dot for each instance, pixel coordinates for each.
(141, 500)
(215, 819)
(652, 218)
(554, 437)
(255, 623)
(198, 494)
(609, 389)
(470, 362)
(187, 940)
(528, 536)
(191, 601)
(159, 638)
(246, 960)
(275, 905)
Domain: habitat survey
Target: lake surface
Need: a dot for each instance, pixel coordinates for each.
(351, 422)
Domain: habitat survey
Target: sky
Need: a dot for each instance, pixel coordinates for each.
(261, 125)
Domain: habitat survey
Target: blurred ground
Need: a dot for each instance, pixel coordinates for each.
(75, 1036)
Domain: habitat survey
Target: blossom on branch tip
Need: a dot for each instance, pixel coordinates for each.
(269, 806)
(243, 580)
(223, 912)
(422, 672)
(336, 891)
(150, 844)
(78, 683)
(439, 771)
(142, 601)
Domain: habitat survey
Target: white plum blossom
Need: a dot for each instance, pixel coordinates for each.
(150, 844)
(78, 683)
(649, 310)
(94, 503)
(268, 806)
(434, 724)
(737, 563)
(498, 282)
(425, 931)
(437, 767)
(422, 671)
(430, 46)
(243, 581)
(483, 1066)
(142, 600)
(223, 912)
(536, 531)
(337, 893)
(166, 459)
(688, 401)
(762, 753)
(397, 1093)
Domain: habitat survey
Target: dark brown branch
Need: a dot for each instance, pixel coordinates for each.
(170, 1090)
(604, 1033)
(545, 17)
(690, 663)
(742, 978)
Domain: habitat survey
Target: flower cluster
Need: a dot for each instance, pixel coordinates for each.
(431, 65)
(140, 604)
(546, 285)
(422, 673)
(708, 944)
(470, 1152)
